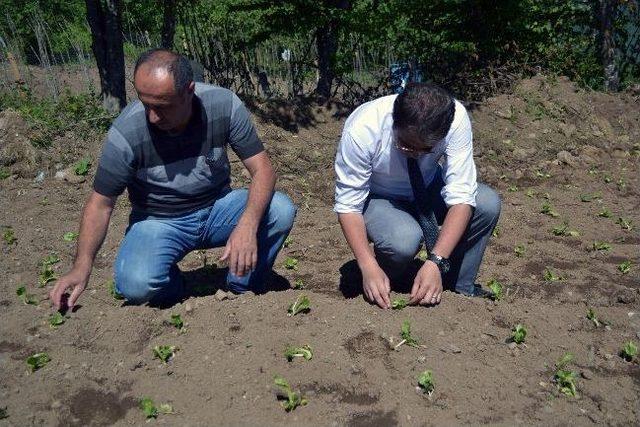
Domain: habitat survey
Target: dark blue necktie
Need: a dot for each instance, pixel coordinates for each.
(424, 198)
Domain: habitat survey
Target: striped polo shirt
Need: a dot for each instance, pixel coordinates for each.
(170, 175)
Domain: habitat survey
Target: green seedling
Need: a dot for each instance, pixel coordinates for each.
(148, 407)
(550, 276)
(530, 193)
(624, 267)
(46, 275)
(519, 250)
(629, 351)
(601, 246)
(287, 242)
(589, 197)
(9, 236)
(70, 236)
(405, 334)
(38, 361)
(291, 263)
(82, 167)
(518, 334)
(176, 320)
(497, 292)
(305, 351)
(607, 178)
(298, 284)
(566, 382)
(56, 319)
(300, 305)
(164, 352)
(543, 174)
(111, 286)
(625, 224)
(4, 174)
(423, 255)
(425, 382)
(50, 259)
(605, 213)
(399, 303)
(292, 399)
(512, 188)
(496, 231)
(591, 315)
(25, 297)
(548, 210)
(563, 230)
(621, 183)
(564, 378)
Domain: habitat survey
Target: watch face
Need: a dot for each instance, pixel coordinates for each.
(444, 266)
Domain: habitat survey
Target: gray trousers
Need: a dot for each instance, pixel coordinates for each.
(397, 236)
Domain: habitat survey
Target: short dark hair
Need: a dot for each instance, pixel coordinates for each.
(177, 65)
(424, 109)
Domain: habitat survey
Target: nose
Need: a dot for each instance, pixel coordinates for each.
(154, 117)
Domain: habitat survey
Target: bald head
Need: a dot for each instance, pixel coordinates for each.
(163, 63)
(164, 82)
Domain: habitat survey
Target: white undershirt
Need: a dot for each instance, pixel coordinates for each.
(368, 161)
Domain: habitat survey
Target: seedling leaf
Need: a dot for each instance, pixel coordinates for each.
(405, 334)
(46, 275)
(550, 276)
(38, 361)
(70, 236)
(624, 267)
(293, 399)
(21, 292)
(305, 351)
(148, 407)
(56, 319)
(601, 246)
(399, 303)
(548, 210)
(426, 383)
(165, 408)
(176, 320)
(519, 333)
(591, 315)
(629, 351)
(9, 236)
(291, 263)
(563, 230)
(164, 352)
(519, 250)
(82, 167)
(625, 224)
(111, 286)
(566, 382)
(287, 242)
(496, 290)
(298, 284)
(605, 213)
(300, 305)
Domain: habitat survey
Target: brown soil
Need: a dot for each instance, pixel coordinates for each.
(101, 358)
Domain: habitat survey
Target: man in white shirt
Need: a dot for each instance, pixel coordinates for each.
(375, 199)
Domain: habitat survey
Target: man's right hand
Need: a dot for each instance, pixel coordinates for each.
(376, 285)
(74, 280)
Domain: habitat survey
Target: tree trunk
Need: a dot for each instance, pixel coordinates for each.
(106, 43)
(327, 46)
(168, 24)
(608, 10)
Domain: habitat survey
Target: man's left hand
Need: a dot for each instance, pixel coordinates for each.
(427, 286)
(241, 251)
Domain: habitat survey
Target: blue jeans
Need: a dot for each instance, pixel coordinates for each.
(145, 269)
(397, 236)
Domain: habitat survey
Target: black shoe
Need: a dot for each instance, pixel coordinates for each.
(478, 292)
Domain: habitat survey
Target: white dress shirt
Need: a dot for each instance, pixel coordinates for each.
(368, 162)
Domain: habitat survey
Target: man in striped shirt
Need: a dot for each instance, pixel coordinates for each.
(168, 149)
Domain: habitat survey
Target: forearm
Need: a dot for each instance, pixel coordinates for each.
(260, 193)
(93, 229)
(454, 226)
(355, 232)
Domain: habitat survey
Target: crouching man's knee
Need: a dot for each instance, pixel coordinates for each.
(282, 213)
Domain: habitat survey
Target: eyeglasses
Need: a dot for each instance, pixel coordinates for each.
(411, 152)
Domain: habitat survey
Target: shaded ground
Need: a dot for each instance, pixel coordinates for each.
(548, 142)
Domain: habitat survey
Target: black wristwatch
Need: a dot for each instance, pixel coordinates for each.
(442, 263)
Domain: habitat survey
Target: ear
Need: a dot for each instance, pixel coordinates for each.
(191, 88)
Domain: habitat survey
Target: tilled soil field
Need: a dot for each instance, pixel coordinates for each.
(566, 163)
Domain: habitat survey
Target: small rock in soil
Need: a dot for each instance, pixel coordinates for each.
(221, 295)
(587, 374)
